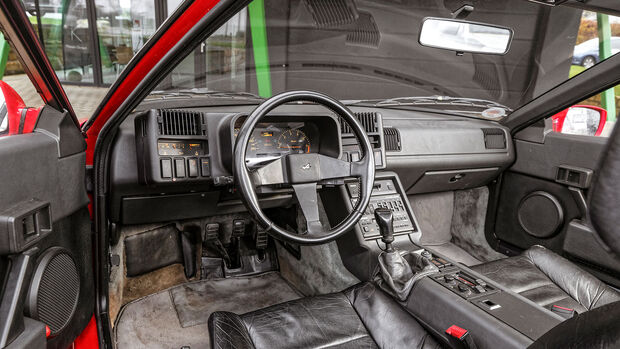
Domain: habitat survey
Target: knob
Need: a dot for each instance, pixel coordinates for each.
(385, 220)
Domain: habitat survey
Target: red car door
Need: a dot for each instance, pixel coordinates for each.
(46, 261)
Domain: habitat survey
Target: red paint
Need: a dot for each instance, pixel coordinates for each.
(175, 32)
(15, 106)
(558, 119)
(456, 332)
(88, 339)
(559, 307)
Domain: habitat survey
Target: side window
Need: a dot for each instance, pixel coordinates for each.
(598, 38)
(595, 116)
(17, 94)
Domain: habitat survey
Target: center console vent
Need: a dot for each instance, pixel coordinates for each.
(494, 138)
(372, 124)
(174, 122)
(391, 138)
(367, 119)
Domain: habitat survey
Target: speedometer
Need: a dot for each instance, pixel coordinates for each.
(295, 141)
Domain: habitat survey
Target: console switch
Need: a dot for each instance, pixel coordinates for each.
(179, 168)
(192, 167)
(166, 168)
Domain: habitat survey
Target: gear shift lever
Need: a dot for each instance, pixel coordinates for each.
(385, 220)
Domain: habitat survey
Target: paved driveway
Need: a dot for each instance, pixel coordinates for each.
(84, 99)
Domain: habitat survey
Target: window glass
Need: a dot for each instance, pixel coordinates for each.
(124, 26)
(63, 28)
(370, 52)
(595, 116)
(18, 82)
(218, 64)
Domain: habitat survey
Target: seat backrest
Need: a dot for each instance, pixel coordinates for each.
(605, 196)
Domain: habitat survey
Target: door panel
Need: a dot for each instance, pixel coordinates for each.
(536, 208)
(45, 237)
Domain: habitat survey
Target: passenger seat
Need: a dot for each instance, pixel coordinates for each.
(548, 279)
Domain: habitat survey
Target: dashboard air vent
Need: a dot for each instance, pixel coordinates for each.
(494, 138)
(391, 137)
(367, 119)
(173, 122)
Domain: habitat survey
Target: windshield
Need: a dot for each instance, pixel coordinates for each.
(368, 51)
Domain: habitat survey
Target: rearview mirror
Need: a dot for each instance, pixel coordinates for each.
(583, 120)
(464, 36)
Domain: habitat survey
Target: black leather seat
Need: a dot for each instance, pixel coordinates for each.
(362, 316)
(548, 279)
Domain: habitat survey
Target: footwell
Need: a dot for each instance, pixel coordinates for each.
(178, 316)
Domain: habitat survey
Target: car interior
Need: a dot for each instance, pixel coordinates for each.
(313, 219)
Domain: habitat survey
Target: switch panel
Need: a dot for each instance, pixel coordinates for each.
(384, 195)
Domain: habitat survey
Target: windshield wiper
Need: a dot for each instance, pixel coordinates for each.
(437, 100)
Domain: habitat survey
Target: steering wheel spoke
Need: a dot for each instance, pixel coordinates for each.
(332, 168)
(308, 201)
(270, 174)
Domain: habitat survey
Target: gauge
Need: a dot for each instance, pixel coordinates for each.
(295, 141)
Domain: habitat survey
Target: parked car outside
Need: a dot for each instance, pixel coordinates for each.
(586, 53)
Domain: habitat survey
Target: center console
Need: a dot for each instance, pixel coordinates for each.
(451, 295)
(494, 316)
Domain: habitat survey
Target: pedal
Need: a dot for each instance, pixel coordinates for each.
(261, 239)
(212, 232)
(238, 228)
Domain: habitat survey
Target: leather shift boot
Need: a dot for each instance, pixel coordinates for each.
(395, 274)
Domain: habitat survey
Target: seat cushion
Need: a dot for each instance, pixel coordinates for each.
(362, 316)
(548, 279)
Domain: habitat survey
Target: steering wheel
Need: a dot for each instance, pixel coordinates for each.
(304, 172)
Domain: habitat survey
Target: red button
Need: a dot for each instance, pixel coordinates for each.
(456, 331)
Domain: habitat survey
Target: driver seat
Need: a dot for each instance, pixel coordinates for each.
(362, 316)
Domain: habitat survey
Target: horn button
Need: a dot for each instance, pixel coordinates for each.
(303, 168)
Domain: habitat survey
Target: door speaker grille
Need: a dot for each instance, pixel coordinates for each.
(54, 290)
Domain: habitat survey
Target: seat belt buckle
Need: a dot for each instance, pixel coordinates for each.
(564, 312)
(461, 336)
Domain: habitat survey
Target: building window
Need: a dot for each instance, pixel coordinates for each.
(123, 26)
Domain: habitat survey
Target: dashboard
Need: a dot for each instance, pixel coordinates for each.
(168, 156)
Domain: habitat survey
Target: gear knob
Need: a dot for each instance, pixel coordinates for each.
(385, 220)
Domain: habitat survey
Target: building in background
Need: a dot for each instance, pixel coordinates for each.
(91, 41)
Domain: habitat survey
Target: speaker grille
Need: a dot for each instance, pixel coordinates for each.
(57, 290)
(540, 214)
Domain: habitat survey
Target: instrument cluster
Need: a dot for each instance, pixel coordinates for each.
(272, 140)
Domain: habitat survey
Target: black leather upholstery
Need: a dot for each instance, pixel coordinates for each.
(598, 328)
(548, 279)
(362, 316)
(604, 195)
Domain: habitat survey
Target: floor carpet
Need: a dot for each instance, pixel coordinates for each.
(178, 316)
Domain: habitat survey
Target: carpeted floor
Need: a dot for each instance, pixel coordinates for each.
(178, 316)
